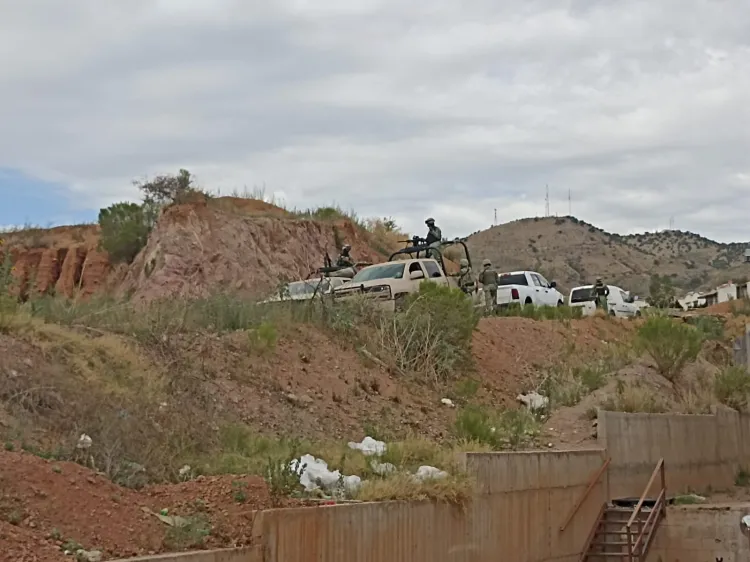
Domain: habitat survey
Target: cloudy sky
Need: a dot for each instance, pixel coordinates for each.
(405, 109)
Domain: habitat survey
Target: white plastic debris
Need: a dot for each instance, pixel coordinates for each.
(185, 470)
(447, 402)
(314, 475)
(369, 446)
(429, 473)
(533, 400)
(84, 442)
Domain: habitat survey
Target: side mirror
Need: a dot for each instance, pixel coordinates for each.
(553, 285)
(414, 275)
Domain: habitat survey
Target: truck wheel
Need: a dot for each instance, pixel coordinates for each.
(528, 301)
(611, 312)
(399, 301)
(559, 303)
(637, 313)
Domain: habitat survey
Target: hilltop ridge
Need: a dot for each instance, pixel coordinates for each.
(574, 252)
(247, 244)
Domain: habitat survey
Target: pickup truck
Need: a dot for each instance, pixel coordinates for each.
(306, 289)
(619, 302)
(389, 283)
(527, 287)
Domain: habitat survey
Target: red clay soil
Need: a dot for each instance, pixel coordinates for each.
(64, 259)
(202, 247)
(511, 352)
(224, 243)
(45, 504)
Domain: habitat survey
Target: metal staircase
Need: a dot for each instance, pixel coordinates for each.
(625, 533)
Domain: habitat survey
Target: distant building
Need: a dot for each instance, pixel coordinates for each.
(747, 255)
(726, 292)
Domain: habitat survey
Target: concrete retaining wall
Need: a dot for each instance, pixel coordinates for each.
(699, 451)
(520, 502)
(701, 534)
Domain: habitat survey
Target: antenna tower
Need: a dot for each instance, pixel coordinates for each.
(495, 223)
(570, 207)
(546, 203)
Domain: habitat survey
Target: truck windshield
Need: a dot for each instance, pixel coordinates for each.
(303, 288)
(581, 294)
(385, 271)
(512, 279)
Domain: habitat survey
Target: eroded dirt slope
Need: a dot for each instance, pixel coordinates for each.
(63, 260)
(209, 246)
(215, 244)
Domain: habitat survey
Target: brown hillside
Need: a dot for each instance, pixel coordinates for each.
(236, 244)
(64, 259)
(222, 243)
(573, 252)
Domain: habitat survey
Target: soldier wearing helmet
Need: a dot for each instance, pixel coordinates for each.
(434, 236)
(600, 292)
(488, 279)
(344, 259)
(466, 281)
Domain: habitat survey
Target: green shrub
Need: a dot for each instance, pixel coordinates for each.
(8, 303)
(503, 429)
(432, 336)
(732, 387)
(124, 230)
(670, 344)
(711, 327)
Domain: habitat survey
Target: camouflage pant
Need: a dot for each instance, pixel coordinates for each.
(430, 253)
(490, 298)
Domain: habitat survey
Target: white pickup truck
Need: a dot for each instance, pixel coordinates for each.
(619, 302)
(527, 287)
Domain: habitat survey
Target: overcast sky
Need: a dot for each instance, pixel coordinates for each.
(405, 109)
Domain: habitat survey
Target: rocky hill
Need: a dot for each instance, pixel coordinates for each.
(573, 252)
(230, 243)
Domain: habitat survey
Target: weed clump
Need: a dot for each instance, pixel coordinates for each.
(432, 336)
(732, 387)
(504, 429)
(670, 344)
(634, 398)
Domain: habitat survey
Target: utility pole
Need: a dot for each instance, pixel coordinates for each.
(546, 203)
(495, 223)
(671, 222)
(570, 211)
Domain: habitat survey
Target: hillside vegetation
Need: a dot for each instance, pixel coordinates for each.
(573, 252)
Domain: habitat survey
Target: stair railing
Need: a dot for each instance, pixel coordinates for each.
(592, 482)
(637, 548)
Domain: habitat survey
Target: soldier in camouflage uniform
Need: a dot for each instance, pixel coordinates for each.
(345, 260)
(466, 281)
(434, 236)
(488, 279)
(600, 292)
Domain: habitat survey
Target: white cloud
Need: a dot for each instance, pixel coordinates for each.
(395, 109)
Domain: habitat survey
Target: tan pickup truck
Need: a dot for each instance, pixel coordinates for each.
(391, 282)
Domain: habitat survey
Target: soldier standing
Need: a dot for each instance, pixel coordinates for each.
(466, 280)
(488, 279)
(600, 292)
(434, 235)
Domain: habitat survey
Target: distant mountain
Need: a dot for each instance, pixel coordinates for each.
(573, 252)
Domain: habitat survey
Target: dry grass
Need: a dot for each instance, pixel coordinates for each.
(454, 489)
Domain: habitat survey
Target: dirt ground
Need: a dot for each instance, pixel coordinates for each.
(47, 505)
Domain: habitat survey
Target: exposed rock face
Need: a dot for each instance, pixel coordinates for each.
(197, 248)
(218, 244)
(63, 260)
